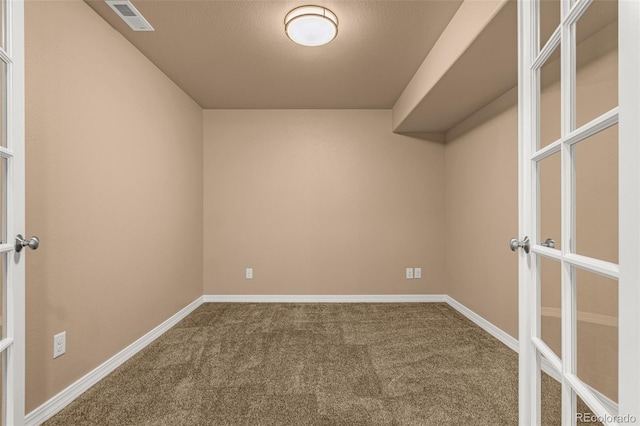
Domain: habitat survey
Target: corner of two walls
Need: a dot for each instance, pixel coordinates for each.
(481, 198)
(114, 191)
(317, 202)
(332, 202)
(482, 212)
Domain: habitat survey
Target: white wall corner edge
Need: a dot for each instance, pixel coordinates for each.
(65, 397)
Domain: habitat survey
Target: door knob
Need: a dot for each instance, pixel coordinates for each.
(548, 243)
(33, 243)
(515, 244)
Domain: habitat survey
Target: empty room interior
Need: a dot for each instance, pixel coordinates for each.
(240, 227)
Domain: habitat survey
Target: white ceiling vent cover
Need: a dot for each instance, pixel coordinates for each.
(130, 15)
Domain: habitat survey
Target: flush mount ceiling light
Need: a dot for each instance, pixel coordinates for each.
(311, 25)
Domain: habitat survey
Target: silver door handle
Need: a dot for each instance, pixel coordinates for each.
(33, 243)
(515, 244)
(548, 243)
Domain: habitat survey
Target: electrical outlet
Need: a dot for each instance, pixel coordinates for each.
(59, 344)
(417, 273)
(409, 273)
(248, 273)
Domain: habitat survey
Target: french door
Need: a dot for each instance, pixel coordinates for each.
(12, 186)
(579, 209)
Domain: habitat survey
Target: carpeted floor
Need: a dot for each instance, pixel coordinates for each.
(314, 364)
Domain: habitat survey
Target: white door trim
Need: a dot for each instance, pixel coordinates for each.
(529, 365)
(14, 210)
(629, 234)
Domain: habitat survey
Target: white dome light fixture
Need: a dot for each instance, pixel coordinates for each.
(311, 25)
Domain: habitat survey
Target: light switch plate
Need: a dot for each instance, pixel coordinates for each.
(409, 273)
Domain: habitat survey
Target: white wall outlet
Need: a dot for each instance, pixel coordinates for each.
(417, 273)
(409, 273)
(248, 273)
(59, 344)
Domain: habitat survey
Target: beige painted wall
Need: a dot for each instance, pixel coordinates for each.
(114, 191)
(320, 202)
(481, 205)
(482, 213)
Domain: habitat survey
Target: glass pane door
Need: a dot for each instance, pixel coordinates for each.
(582, 97)
(572, 182)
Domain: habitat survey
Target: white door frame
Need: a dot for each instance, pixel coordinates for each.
(629, 150)
(13, 344)
(627, 272)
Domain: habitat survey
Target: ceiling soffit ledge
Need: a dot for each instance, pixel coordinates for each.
(473, 62)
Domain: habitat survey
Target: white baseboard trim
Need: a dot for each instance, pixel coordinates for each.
(512, 343)
(487, 326)
(325, 298)
(64, 398)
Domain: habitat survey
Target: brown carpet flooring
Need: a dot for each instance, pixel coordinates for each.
(314, 364)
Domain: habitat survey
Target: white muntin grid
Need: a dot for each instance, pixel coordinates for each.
(627, 272)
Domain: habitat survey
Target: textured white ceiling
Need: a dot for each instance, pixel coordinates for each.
(235, 54)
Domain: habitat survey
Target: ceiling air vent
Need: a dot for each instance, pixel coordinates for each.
(130, 15)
